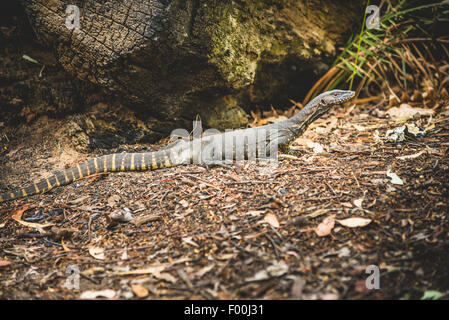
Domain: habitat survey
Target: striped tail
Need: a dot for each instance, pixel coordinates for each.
(108, 163)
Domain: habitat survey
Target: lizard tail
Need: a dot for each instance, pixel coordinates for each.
(108, 163)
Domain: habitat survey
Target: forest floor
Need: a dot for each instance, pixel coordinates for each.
(243, 232)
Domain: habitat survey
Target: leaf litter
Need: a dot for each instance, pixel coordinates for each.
(307, 229)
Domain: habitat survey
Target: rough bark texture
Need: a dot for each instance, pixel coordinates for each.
(173, 59)
(30, 88)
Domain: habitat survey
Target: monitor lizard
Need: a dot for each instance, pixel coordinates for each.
(247, 143)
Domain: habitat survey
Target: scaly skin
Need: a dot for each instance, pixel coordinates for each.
(207, 150)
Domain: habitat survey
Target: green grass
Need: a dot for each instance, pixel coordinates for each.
(405, 46)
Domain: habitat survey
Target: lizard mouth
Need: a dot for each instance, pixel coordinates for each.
(346, 97)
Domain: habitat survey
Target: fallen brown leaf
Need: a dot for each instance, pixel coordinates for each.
(271, 220)
(354, 222)
(139, 290)
(325, 227)
(4, 263)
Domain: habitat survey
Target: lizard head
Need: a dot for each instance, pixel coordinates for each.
(330, 98)
(316, 108)
(323, 102)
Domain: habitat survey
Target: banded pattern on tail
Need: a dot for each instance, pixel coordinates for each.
(108, 163)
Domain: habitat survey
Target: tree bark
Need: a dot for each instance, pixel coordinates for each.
(173, 59)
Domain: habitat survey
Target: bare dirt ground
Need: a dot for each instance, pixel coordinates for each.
(238, 232)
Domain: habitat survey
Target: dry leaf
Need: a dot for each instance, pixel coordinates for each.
(37, 226)
(259, 276)
(4, 263)
(325, 227)
(317, 148)
(79, 200)
(97, 253)
(145, 219)
(66, 249)
(275, 270)
(321, 130)
(94, 270)
(139, 290)
(355, 222)
(411, 156)
(301, 141)
(255, 213)
(359, 127)
(165, 276)
(226, 256)
(154, 270)
(112, 200)
(205, 270)
(184, 203)
(405, 112)
(122, 215)
(17, 216)
(124, 255)
(358, 203)
(317, 213)
(189, 240)
(346, 204)
(108, 293)
(271, 220)
(394, 178)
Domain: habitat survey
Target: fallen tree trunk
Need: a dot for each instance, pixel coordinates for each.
(173, 59)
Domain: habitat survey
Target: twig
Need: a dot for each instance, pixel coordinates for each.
(330, 187)
(250, 182)
(356, 180)
(273, 245)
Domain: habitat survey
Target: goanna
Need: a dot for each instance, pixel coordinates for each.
(246, 144)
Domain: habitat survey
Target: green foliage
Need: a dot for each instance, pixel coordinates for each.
(405, 50)
(432, 295)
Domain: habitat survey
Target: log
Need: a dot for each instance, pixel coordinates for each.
(169, 60)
